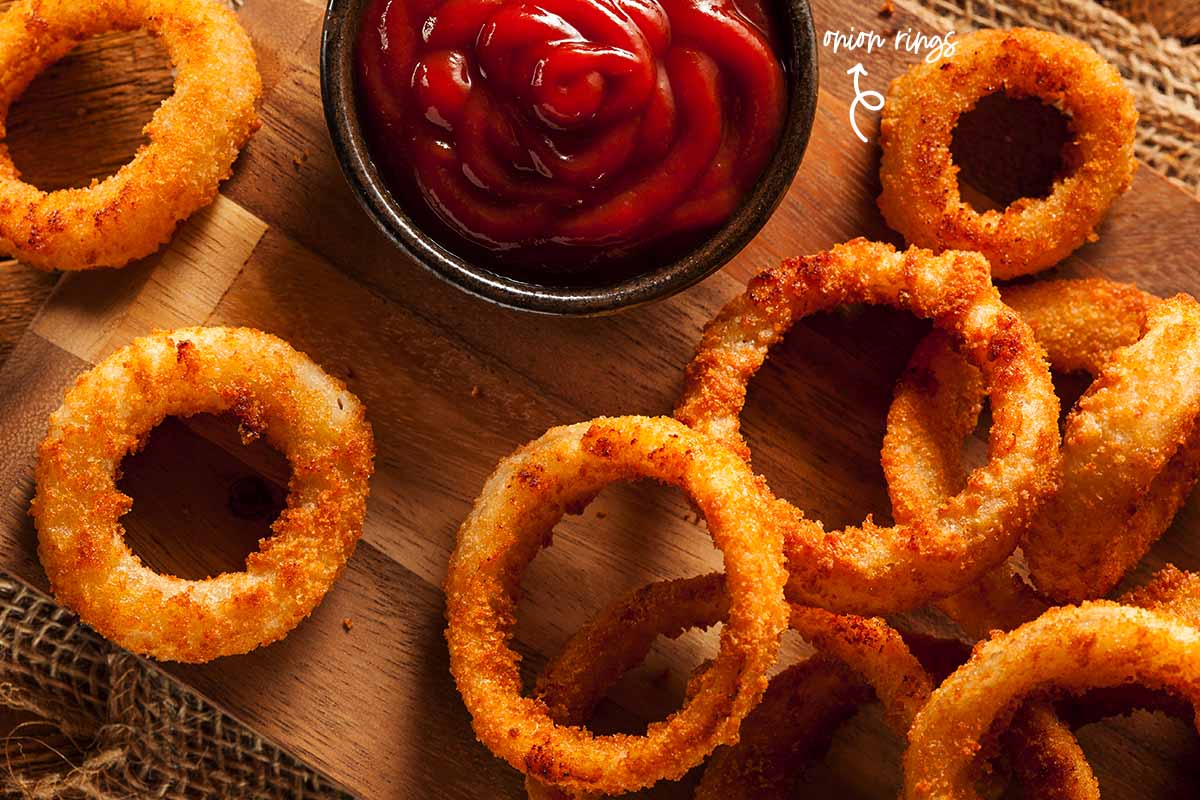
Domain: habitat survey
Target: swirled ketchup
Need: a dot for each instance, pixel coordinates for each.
(570, 140)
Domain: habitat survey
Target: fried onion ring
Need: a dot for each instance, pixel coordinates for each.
(775, 743)
(1131, 449)
(870, 569)
(273, 391)
(522, 501)
(1073, 649)
(921, 196)
(195, 135)
(1081, 323)
(802, 705)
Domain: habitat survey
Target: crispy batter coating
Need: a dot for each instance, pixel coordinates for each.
(1069, 650)
(1082, 324)
(513, 519)
(794, 725)
(1170, 591)
(195, 135)
(1128, 452)
(1131, 445)
(801, 708)
(921, 197)
(274, 391)
(870, 569)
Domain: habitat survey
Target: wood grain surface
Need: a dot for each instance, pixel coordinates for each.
(452, 385)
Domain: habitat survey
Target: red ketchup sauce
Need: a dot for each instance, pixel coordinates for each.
(570, 141)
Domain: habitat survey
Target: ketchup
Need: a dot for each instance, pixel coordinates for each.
(570, 140)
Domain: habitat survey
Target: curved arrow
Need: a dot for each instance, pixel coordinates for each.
(869, 99)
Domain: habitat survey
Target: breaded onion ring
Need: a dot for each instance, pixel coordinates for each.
(1044, 758)
(766, 762)
(1070, 649)
(802, 705)
(793, 725)
(195, 135)
(1170, 591)
(1136, 419)
(273, 391)
(513, 518)
(1131, 449)
(921, 197)
(879, 570)
(1081, 323)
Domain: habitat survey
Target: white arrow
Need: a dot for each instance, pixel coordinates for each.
(869, 99)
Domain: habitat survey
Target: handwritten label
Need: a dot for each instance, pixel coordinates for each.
(907, 40)
(935, 47)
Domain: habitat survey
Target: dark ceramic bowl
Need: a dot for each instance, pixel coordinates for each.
(338, 42)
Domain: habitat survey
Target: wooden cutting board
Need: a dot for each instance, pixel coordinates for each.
(452, 385)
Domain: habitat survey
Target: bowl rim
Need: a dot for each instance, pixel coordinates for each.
(338, 41)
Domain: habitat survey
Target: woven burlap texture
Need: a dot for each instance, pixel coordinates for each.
(1162, 72)
(1179, 18)
(111, 725)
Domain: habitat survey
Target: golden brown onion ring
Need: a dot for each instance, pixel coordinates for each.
(794, 724)
(1071, 649)
(1080, 323)
(513, 518)
(273, 391)
(195, 135)
(1044, 758)
(800, 709)
(872, 569)
(1131, 446)
(1133, 426)
(921, 196)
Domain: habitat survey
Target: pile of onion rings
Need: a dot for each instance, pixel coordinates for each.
(195, 135)
(512, 519)
(873, 570)
(273, 391)
(1130, 452)
(921, 198)
(953, 535)
(800, 709)
(1083, 508)
(1137, 347)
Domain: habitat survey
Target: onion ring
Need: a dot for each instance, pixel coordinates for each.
(1138, 420)
(1170, 591)
(921, 198)
(802, 705)
(274, 391)
(512, 519)
(872, 569)
(1081, 323)
(195, 135)
(1044, 758)
(802, 709)
(1138, 415)
(778, 739)
(1072, 649)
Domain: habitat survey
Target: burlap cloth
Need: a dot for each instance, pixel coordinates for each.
(1163, 72)
(105, 724)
